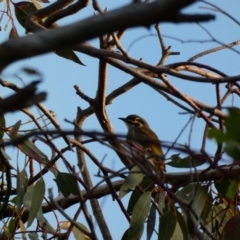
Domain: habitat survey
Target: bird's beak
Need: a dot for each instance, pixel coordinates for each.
(123, 119)
(128, 124)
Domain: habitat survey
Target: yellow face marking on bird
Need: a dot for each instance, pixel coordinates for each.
(134, 121)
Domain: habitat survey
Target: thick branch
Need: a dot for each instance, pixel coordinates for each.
(180, 178)
(25, 97)
(132, 15)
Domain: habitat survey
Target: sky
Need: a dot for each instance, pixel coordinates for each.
(60, 75)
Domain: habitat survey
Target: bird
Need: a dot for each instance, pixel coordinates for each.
(141, 137)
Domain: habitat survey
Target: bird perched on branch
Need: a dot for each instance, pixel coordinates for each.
(142, 138)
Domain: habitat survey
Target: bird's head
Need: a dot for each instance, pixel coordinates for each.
(134, 121)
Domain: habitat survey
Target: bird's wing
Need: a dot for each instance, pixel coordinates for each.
(152, 144)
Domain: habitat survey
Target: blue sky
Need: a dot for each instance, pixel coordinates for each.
(60, 75)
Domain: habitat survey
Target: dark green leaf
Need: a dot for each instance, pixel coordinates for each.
(4, 154)
(145, 185)
(69, 54)
(2, 124)
(66, 184)
(14, 200)
(43, 221)
(221, 214)
(233, 150)
(209, 224)
(13, 132)
(167, 224)
(22, 10)
(134, 177)
(139, 216)
(218, 135)
(232, 189)
(136, 194)
(3, 158)
(11, 225)
(177, 234)
(22, 185)
(232, 135)
(222, 186)
(29, 148)
(187, 162)
(183, 225)
(196, 193)
(125, 235)
(151, 222)
(36, 201)
(161, 201)
(232, 124)
(207, 207)
(33, 236)
(175, 157)
(7, 232)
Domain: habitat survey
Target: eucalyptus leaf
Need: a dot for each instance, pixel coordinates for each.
(151, 221)
(187, 162)
(33, 199)
(66, 184)
(145, 185)
(195, 193)
(134, 177)
(22, 185)
(167, 224)
(139, 215)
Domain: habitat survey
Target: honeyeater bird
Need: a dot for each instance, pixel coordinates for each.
(140, 134)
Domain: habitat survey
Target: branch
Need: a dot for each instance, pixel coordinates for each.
(132, 15)
(180, 178)
(24, 98)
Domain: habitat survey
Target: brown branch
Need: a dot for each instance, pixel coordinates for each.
(153, 83)
(218, 152)
(166, 51)
(86, 176)
(218, 9)
(225, 46)
(191, 103)
(51, 9)
(75, 7)
(100, 53)
(199, 65)
(122, 18)
(61, 210)
(114, 94)
(25, 97)
(99, 108)
(177, 179)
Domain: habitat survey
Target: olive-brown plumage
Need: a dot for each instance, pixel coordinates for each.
(139, 133)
